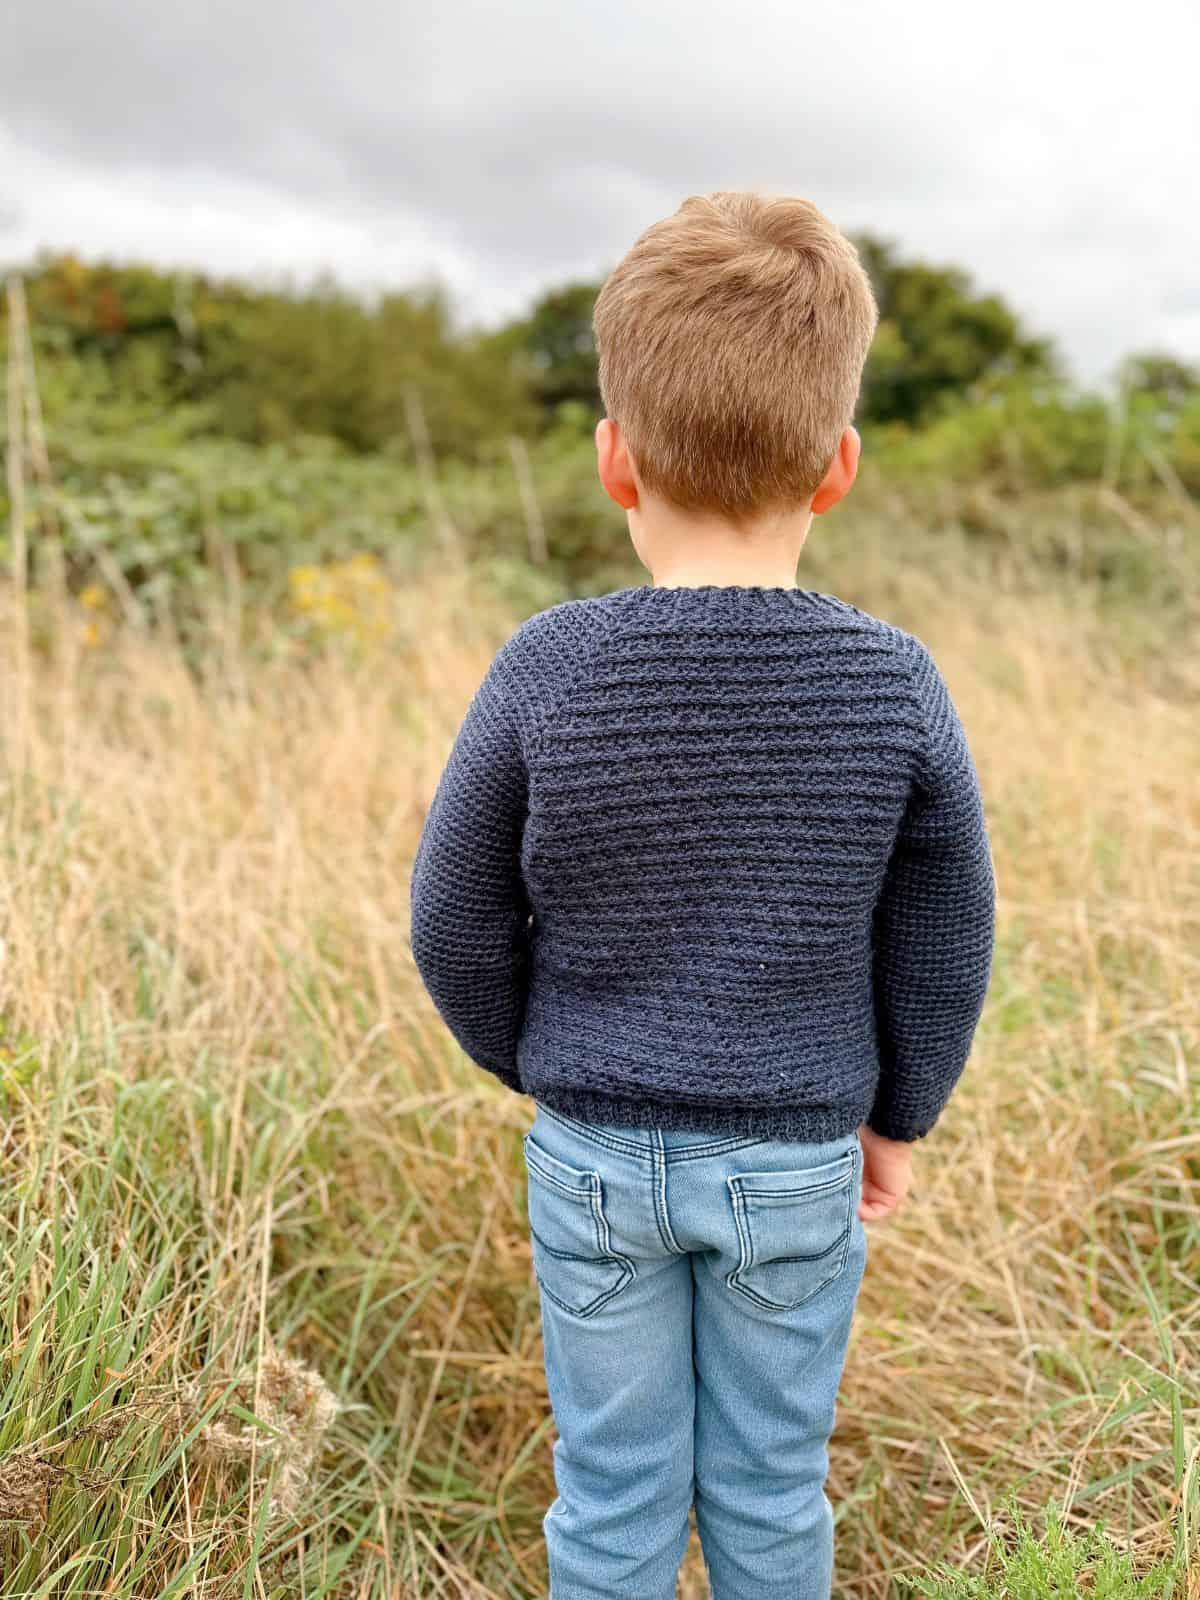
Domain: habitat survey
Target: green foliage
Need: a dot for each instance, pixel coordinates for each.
(151, 500)
(953, 384)
(1029, 431)
(198, 427)
(557, 349)
(1171, 384)
(20, 1061)
(936, 338)
(1062, 1565)
(263, 365)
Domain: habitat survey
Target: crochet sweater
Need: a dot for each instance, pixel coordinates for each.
(711, 858)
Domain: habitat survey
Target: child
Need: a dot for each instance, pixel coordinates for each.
(707, 876)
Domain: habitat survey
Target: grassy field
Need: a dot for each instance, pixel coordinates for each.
(268, 1325)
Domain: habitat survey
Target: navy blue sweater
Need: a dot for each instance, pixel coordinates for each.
(711, 857)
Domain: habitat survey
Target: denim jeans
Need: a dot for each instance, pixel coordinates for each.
(696, 1297)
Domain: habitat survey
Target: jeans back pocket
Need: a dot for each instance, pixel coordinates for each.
(793, 1231)
(573, 1258)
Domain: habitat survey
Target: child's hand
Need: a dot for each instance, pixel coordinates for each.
(887, 1172)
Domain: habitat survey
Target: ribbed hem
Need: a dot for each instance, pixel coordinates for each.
(810, 1124)
(726, 603)
(661, 593)
(723, 588)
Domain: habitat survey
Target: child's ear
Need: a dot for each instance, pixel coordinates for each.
(614, 465)
(842, 471)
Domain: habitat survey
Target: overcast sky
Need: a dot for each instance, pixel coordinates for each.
(1051, 148)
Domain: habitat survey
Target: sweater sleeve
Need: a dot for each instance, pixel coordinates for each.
(469, 912)
(934, 923)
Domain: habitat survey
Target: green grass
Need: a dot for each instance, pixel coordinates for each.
(1061, 1564)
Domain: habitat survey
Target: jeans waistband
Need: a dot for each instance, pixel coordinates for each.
(650, 1142)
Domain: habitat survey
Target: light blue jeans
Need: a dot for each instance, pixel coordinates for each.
(696, 1297)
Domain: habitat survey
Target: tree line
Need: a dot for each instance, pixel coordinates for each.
(398, 374)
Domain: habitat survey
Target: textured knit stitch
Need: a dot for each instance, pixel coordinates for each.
(711, 857)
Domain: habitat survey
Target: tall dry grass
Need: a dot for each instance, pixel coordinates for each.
(267, 1319)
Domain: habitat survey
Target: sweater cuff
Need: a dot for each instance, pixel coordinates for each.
(888, 1124)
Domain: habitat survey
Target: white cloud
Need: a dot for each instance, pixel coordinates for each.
(1048, 149)
(215, 222)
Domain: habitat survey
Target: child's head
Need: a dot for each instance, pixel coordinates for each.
(732, 338)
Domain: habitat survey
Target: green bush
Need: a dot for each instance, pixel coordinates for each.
(268, 364)
(189, 420)
(1039, 432)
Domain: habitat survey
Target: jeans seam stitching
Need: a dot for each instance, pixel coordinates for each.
(604, 1241)
(604, 1246)
(686, 1152)
(734, 1280)
(581, 1194)
(658, 1178)
(698, 1152)
(609, 1142)
(593, 1305)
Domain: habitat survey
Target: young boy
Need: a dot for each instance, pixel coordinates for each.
(707, 876)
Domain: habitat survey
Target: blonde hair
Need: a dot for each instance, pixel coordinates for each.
(732, 338)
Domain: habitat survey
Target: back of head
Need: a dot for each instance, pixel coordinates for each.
(732, 338)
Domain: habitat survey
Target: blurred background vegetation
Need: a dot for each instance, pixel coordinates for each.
(305, 426)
